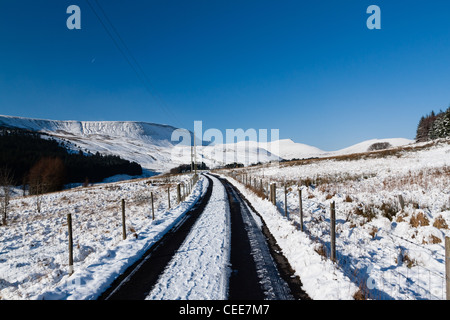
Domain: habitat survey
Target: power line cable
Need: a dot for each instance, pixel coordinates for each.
(128, 49)
(155, 93)
(136, 66)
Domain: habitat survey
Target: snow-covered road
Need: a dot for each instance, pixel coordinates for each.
(218, 252)
(250, 251)
(200, 268)
(215, 248)
(225, 255)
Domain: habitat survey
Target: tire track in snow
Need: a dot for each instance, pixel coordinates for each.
(254, 274)
(138, 280)
(200, 268)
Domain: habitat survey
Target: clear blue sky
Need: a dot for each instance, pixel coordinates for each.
(309, 68)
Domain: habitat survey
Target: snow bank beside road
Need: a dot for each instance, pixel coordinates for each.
(389, 252)
(92, 281)
(320, 278)
(33, 247)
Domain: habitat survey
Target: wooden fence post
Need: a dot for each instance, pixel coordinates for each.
(274, 194)
(401, 201)
(153, 207)
(69, 225)
(168, 196)
(285, 202)
(300, 207)
(124, 228)
(178, 193)
(447, 267)
(333, 231)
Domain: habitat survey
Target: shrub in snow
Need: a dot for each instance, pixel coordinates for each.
(379, 146)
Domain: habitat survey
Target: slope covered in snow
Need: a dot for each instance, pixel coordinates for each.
(151, 145)
(34, 245)
(148, 144)
(289, 149)
(365, 145)
(389, 248)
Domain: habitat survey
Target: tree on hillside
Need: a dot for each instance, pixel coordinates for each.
(379, 146)
(424, 127)
(47, 175)
(20, 150)
(441, 126)
(6, 181)
(434, 126)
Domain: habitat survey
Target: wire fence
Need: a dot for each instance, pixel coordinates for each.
(385, 266)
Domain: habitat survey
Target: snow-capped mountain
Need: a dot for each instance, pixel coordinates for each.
(151, 145)
(145, 143)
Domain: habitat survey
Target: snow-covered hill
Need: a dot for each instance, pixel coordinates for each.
(151, 145)
(365, 145)
(155, 133)
(289, 149)
(148, 144)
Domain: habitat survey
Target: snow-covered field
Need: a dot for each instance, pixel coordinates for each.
(320, 279)
(34, 246)
(387, 252)
(383, 251)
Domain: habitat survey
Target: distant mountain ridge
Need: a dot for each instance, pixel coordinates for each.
(150, 144)
(156, 133)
